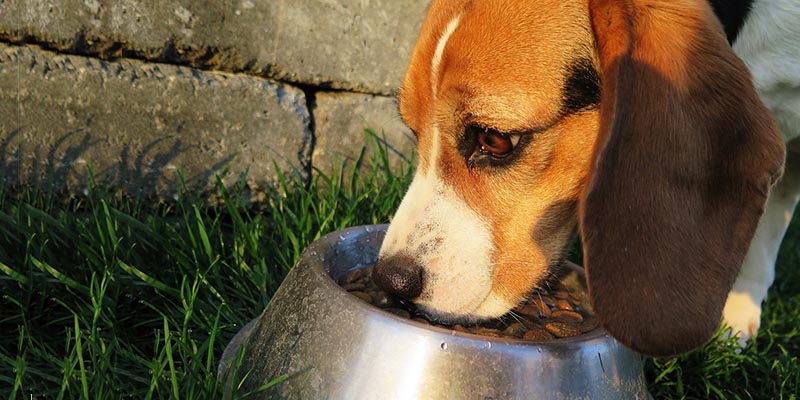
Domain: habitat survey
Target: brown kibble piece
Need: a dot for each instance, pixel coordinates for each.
(544, 310)
(570, 317)
(354, 287)
(353, 276)
(516, 330)
(550, 301)
(537, 334)
(363, 296)
(560, 329)
(563, 304)
(485, 331)
(530, 311)
(560, 294)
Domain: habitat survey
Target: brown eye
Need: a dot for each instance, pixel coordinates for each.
(496, 144)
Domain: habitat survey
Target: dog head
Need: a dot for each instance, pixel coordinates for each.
(631, 121)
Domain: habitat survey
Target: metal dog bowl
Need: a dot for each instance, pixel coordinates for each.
(331, 345)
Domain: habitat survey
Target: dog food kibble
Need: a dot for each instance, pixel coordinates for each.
(554, 314)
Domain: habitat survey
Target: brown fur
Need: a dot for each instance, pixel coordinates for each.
(684, 161)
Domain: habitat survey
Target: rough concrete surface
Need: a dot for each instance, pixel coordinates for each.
(341, 120)
(138, 124)
(362, 45)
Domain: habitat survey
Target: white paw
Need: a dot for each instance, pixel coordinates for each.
(743, 315)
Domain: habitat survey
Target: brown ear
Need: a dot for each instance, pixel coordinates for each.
(683, 164)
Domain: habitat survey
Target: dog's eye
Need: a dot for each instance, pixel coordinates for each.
(496, 144)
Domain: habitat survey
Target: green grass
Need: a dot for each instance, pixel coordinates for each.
(105, 296)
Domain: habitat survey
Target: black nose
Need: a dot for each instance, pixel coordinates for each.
(399, 275)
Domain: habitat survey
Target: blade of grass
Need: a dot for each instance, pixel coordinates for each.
(81, 364)
(22, 279)
(148, 279)
(201, 228)
(170, 360)
(45, 267)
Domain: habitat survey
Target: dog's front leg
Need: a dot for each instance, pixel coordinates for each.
(743, 308)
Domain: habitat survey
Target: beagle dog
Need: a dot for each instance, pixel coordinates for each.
(631, 122)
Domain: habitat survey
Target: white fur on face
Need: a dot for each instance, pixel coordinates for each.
(444, 236)
(450, 242)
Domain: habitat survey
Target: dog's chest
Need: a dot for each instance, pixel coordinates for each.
(769, 43)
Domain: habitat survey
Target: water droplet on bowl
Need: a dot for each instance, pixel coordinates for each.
(444, 345)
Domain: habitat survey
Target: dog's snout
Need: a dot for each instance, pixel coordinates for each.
(399, 275)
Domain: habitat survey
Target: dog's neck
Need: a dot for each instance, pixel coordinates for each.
(732, 14)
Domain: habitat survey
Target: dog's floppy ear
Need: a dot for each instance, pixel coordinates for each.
(682, 167)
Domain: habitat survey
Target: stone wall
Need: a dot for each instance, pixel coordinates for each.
(141, 92)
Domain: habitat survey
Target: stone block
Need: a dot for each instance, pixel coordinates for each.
(341, 120)
(139, 124)
(361, 45)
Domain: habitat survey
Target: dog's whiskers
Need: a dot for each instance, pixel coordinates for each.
(515, 316)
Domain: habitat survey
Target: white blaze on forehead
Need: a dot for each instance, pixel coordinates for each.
(435, 62)
(437, 54)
